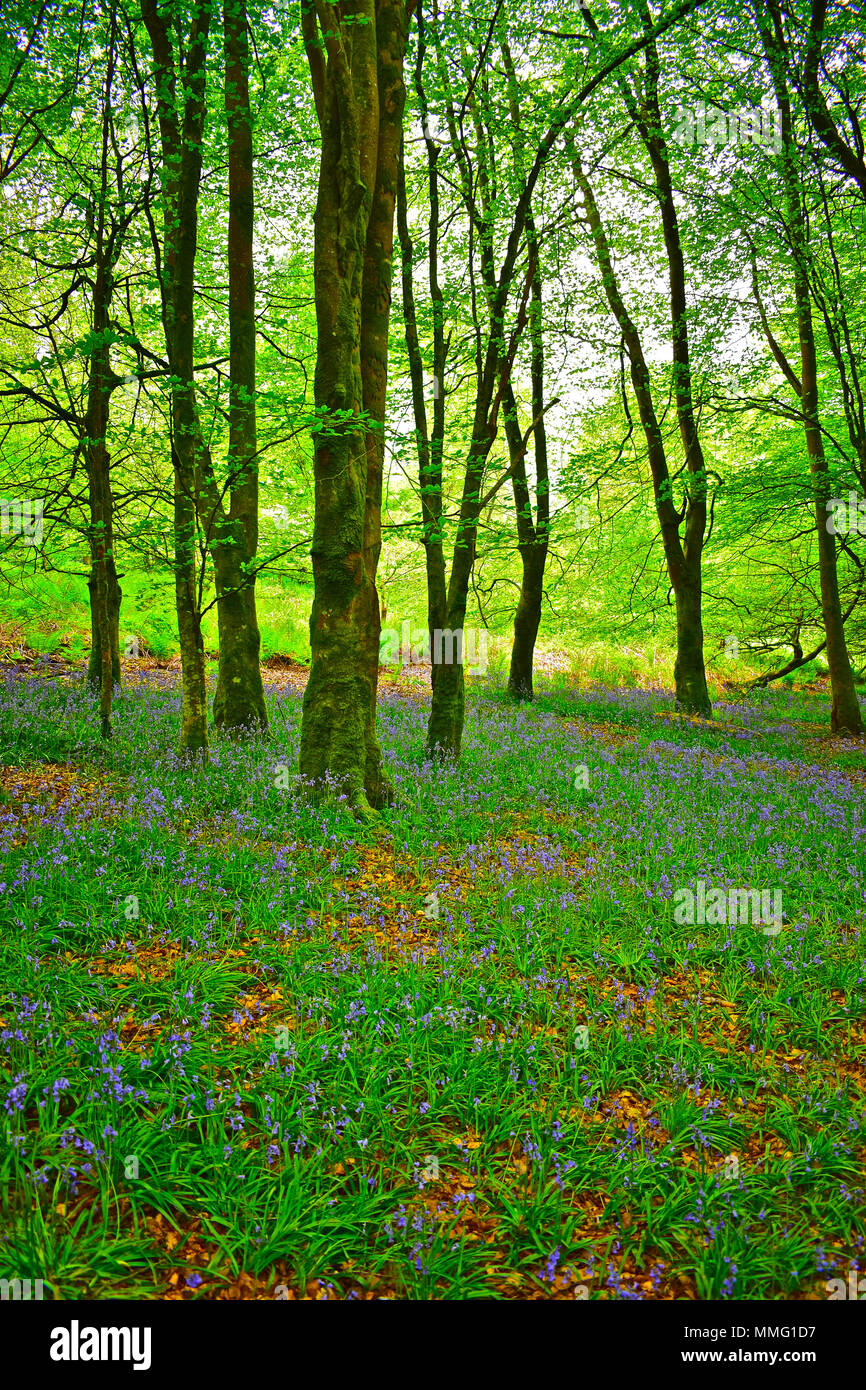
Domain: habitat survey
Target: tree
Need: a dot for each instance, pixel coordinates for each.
(239, 700)
(356, 65)
(848, 156)
(83, 212)
(180, 96)
(504, 286)
(845, 715)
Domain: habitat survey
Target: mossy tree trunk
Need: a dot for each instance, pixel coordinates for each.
(391, 35)
(181, 124)
(193, 722)
(355, 57)
(104, 665)
(239, 700)
(114, 596)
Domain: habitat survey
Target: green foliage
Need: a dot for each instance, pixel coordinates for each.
(284, 615)
(282, 1032)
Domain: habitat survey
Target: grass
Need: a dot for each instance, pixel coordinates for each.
(251, 1051)
(50, 614)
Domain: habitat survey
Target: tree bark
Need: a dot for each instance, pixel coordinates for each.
(355, 59)
(104, 590)
(532, 536)
(430, 439)
(181, 136)
(239, 700)
(527, 618)
(338, 697)
(391, 36)
(115, 596)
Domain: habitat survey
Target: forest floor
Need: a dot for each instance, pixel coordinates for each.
(252, 1051)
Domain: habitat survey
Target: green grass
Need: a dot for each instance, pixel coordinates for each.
(51, 615)
(238, 997)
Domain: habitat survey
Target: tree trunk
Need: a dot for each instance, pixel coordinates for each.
(532, 539)
(239, 699)
(689, 670)
(101, 666)
(447, 710)
(845, 716)
(493, 362)
(533, 536)
(391, 34)
(429, 443)
(448, 698)
(115, 595)
(448, 695)
(690, 677)
(181, 123)
(683, 565)
(527, 618)
(356, 66)
(340, 693)
(193, 725)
